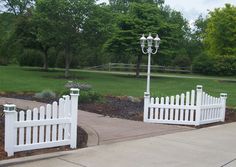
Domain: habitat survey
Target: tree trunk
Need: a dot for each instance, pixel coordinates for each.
(138, 65)
(45, 60)
(67, 60)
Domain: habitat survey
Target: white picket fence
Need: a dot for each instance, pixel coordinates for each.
(50, 126)
(192, 108)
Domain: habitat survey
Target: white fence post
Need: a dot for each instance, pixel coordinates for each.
(10, 130)
(223, 97)
(74, 93)
(198, 105)
(146, 104)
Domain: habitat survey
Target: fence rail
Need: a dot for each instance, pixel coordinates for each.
(44, 127)
(190, 108)
(143, 68)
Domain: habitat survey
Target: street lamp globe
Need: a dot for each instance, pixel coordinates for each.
(157, 41)
(149, 40)
(142, 41)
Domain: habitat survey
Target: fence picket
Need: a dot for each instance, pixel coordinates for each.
(54, 116)
(35, 128)
(167, 109)
(28, 129)
(157, 111)
(41, 128)
(151, 114)
(211, 109)
(182, 104)
(219, 109)
(177, 110)
(186, 116)
(172, 101)
(214, 109)
(208, 110)
(67, 113)
(61, 115)
(161, 109)
(192, 104)
(48, 116)
(22, 130)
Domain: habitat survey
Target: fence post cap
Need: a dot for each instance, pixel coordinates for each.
(223, 95)
(146, 94)
(74, 91)
(199, 87)
(9, 107)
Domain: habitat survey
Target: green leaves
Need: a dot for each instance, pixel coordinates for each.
(220, 36)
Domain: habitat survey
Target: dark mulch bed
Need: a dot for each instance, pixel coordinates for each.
(82, 138)
(119, 107)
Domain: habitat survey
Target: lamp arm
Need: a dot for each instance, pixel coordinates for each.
(155, 50)
(144, 51)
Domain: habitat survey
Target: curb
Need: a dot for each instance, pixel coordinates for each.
(93, 136)
(14, 161)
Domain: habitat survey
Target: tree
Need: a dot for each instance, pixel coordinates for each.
(18, 6)
(34, 33)
(220, 33)
(67, 18)
(8, 45)
(96, 31)
(144, 18)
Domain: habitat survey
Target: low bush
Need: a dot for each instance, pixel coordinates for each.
(46, 94)
(225, 65)
(203, 65)
(217, 65)
(182, 61)
(89, 97)
(86, 96)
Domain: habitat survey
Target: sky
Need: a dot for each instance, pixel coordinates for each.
(191, 9)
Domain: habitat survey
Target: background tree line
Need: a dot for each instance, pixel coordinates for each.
(77, 33)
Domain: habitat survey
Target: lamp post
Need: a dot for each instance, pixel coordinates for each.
(149, 51)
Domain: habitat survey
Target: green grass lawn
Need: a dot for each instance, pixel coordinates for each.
(17, 79)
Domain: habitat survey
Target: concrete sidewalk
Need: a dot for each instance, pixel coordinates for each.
(208, 147)
(105, 130)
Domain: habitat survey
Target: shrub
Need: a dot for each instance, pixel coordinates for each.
(85, 96)
(72, 84)
(46, 94)
(182, 61)
(225, 65)
(203, 64)
(89, 96)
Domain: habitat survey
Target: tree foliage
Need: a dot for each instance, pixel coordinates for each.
(220, 36)
(17, 6)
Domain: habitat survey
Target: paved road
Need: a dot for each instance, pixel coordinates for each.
(106, 130)
(208, 147)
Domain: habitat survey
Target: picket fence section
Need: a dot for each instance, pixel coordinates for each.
(192, 108)
(43, 127)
